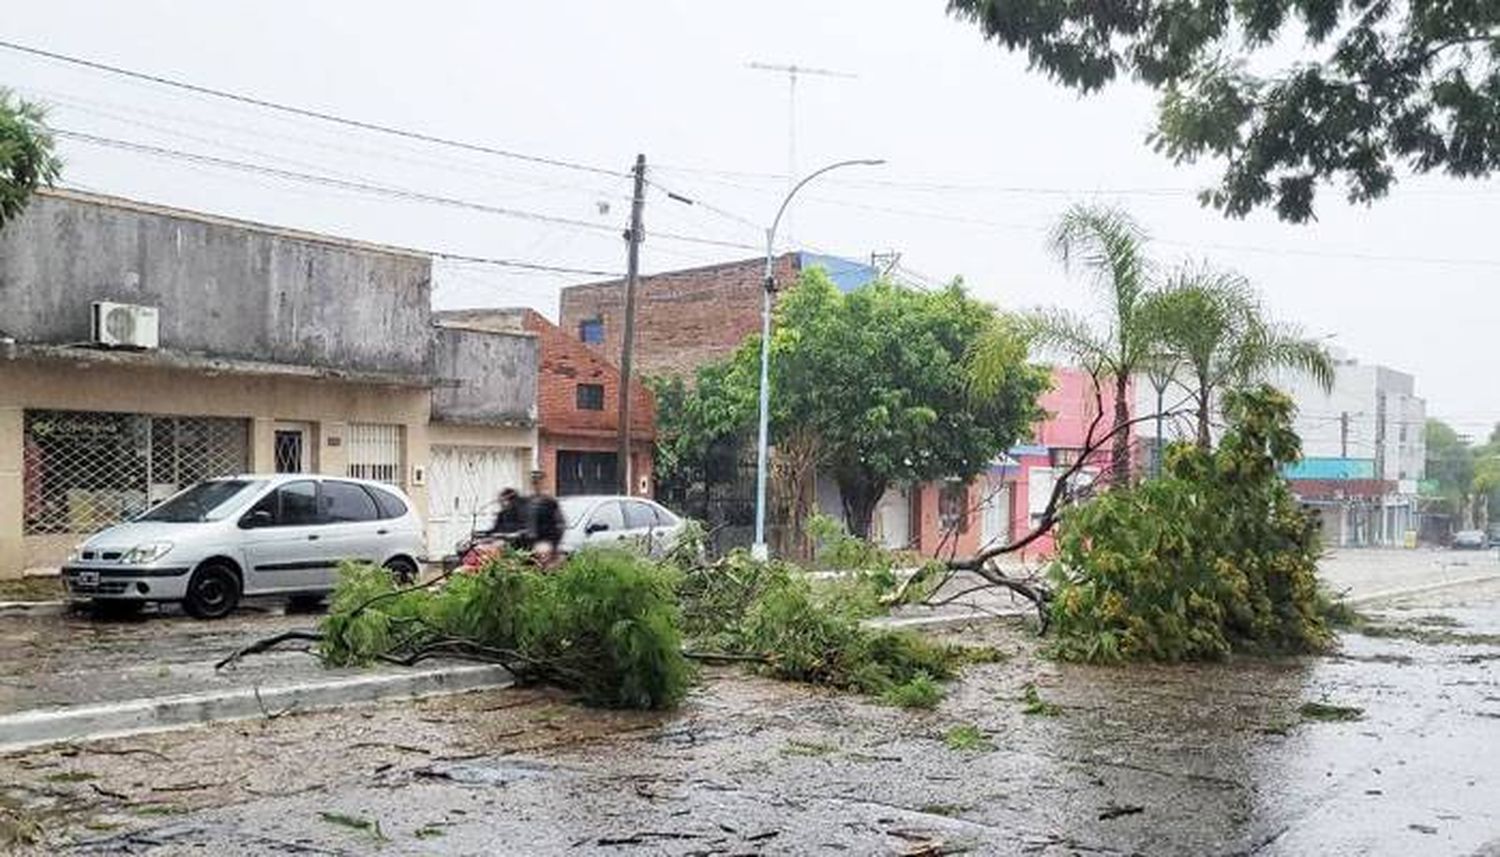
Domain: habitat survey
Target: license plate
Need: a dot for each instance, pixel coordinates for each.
(87, 578)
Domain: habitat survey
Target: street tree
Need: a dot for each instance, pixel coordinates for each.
(27, 160)
(1210, 323)
(1450, 464)
(874, 387)
(1287, 95)
(1111, 246)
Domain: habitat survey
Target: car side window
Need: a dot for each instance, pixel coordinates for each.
(298, 504)
(345, 502)
(389, 504)
(640, 516)
(607, 514)
(293, 504)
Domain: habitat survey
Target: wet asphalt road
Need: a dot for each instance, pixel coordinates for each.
(1208, 759)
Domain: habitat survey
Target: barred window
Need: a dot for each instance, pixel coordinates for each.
(375, 452)
(87, 470)
(953, 507)
(590, 397)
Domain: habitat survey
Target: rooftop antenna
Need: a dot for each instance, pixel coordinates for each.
(791, 71)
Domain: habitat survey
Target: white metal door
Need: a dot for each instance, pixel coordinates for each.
(996, 512)
(462, 484)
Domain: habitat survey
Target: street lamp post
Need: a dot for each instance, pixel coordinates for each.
(759, 550)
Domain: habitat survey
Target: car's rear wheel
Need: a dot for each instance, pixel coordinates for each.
(213, 592)
(402, 570)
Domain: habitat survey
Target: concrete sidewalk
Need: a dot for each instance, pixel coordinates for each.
(71, 678)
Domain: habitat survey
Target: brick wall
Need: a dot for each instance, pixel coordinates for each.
(683, 318)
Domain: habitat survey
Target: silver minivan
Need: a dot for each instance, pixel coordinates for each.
(281, 534)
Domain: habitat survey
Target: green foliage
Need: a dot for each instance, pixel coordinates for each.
(968, 738)
(835, 549)
(1033, 704)
(1213, 557)
(605, 624)
(27, 161)
(1330, 713)
(879, 378)
(1212, 333)
(920, 691)
(807, 631)
(1407, 83)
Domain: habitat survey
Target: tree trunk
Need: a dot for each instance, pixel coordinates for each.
(860, 496)
(1120, 455)
(1205, 404)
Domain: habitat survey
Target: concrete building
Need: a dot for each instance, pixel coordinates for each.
(1363, 446)
(276, 350)
(1364, 453)
(578, 407)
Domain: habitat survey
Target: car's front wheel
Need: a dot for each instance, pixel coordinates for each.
(402, 570)
(213, 592)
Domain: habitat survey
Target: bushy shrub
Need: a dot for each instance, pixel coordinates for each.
(1214, 556)
(605, 624)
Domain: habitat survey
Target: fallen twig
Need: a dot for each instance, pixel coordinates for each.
(101, 790)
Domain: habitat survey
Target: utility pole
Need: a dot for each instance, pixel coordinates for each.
(1344, 435)
(633, 238)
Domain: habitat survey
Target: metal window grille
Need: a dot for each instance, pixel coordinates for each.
(88, 470)
(375, 452)
(590, 397)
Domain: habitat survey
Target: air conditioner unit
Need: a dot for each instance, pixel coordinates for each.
(123, 325)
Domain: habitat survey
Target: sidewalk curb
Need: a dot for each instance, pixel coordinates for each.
(1387, 594)
(33, 728)
(940, 623)
(33, 608)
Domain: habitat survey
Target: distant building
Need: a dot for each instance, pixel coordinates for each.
(577, 406)
(694, 316)
(1363, 446)
(1364, 453)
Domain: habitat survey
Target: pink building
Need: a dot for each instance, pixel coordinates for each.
(1019, 486)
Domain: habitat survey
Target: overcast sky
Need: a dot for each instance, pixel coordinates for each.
(982, 154)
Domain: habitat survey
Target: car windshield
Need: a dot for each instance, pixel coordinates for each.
(574, 509)
(206, 501)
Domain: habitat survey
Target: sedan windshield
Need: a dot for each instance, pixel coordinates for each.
(206, 501)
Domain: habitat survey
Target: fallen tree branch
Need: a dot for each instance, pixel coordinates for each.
(269, 643)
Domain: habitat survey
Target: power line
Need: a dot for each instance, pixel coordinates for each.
(108, 110)
(305, 112)
(369, 187)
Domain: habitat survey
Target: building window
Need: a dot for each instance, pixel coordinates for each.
(374, 452)
(1403, 432)
(591, 330)
(953, 507)
(87, 470)
(590, 397)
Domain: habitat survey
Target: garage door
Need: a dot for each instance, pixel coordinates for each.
(462, 482)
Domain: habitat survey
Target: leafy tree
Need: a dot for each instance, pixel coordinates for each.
(1376, 85)
(26, 158)
(1450, 463)
(1111, 246)
(875, 387)
(1215, 556)
(1211, 324)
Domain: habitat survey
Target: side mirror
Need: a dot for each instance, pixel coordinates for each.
(596, 527)
(257, 518)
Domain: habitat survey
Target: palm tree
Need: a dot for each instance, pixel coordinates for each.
(1212, 323)
(26, 158)
(1110, 245)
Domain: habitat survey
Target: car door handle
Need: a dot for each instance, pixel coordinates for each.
(382, 532)
(312, 538)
